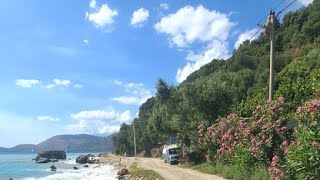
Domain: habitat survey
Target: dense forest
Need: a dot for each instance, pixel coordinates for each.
(219, 114)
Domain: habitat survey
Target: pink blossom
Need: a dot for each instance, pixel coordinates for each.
(299, 110)
(268, 141)
(284, 143)
(275, 158)
(314, 144)
(258, 144)
(241, 123)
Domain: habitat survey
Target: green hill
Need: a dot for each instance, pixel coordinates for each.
(68, 143)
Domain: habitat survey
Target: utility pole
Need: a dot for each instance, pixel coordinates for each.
(134, 141)
(272, 32)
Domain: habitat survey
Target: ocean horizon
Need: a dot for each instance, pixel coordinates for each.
(20, 166)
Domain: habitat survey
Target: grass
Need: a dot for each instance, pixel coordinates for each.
(231, 171)
(146, 174)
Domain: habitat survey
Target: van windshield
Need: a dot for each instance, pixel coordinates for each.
(173, 151)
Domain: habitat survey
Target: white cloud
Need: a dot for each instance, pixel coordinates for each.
(138, 94)
(131, 100)
(93, 4)
(117, 82)
(27, 83)
(305, 2)
(61, 82)
(58, 82)
(215, 50)
(134, 85)
(78, 86)
(92, 127)
(125, 116)
(102, 115)
(108, 129)
(98, 121)
(86, 41)
(245, 36)
(164, 6)
(190, 24)
(139, 17)
(47, 118)
(101, 16)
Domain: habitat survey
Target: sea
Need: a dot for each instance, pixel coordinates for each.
(20, 166)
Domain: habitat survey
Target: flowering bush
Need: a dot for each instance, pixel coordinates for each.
(303, 159)
(258, 140)
(265, 140)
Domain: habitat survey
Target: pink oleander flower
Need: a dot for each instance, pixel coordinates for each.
(283, 128)
(299, 109)
(253, 149)
(258, 144)
(268, 141)
(284, 143)
(275, 158)
(314, 144)
(241, 123)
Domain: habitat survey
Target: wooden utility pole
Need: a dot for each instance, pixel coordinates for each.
(272, 32)
(134, 141)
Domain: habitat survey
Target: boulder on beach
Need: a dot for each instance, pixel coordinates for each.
(42, 160)
(50, 156)
(122, 172)
(92, 160)
(83, 159)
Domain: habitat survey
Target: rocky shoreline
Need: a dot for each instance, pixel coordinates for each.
(121, 164)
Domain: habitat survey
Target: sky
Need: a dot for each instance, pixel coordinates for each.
(70, 67)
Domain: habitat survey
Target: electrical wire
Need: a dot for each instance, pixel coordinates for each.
(286, 7)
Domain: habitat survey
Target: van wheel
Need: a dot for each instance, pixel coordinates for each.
(165, 161)
(170, 162)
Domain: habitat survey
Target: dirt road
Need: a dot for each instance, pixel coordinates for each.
(173, 172)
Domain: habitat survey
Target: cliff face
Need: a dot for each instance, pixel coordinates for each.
(68, 143)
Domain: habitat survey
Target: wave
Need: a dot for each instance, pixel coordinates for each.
(96, 172)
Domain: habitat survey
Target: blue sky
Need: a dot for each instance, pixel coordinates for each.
(71, 67)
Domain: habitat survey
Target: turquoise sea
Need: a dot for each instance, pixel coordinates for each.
(21, 167)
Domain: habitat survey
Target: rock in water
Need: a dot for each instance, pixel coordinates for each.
(53, 168)
(52, 155)
(75, 168)
(122, 172)
(42, 160)
(82, 159)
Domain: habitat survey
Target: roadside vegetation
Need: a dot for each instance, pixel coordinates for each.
(222, 120)
(136, 172)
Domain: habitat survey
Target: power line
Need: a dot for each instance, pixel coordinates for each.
(255, 33)
(286, 7)
(275, 8)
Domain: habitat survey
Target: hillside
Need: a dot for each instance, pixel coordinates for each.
(212, 113)
(68, 143)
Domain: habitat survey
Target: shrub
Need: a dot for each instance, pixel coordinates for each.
(303, 160)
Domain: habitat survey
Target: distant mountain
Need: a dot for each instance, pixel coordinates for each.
(68, 143)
